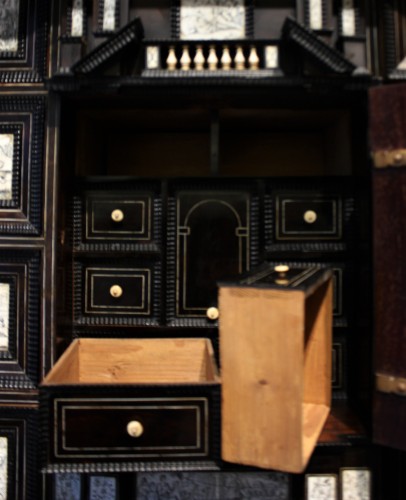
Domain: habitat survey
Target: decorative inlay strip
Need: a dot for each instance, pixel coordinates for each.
(6, 166)
(4, 316)
(3, 467)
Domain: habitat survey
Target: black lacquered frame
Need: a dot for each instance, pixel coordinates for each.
(28, 63)
(20, 428)
(19, 360)
(23, 117)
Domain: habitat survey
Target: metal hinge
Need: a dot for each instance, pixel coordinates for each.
(391, 384)
(389, 158)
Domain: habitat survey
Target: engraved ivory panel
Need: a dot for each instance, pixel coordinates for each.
(4, 316)
(212, 19)
(321, 487)
(316, 14)
(356, 484)
(348, 18)
(9, 13)
(3, 467)
(109, 15)
(68, 486)
(6, 165)
(77, 18)
(102, 487)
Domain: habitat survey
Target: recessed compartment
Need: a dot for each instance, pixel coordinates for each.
(120, 399)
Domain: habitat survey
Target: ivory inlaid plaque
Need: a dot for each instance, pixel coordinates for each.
(348, 18)
(321, 487)
(6, 165)
(77, 18)
(109, 15)
(3, 467)
(68, 486)
(102, 487)
(9, 15)
(212, 19)
(4, 316)
(356, 484)
(316, 14)
(271, 57)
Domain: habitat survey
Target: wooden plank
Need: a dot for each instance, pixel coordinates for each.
(318, 346)
(261, 350)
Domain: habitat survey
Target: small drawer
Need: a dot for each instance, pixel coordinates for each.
(118, 217)
(130, 401)
(113, 293)
(131, 427)
(307, 217)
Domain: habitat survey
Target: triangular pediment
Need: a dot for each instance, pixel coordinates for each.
(110, 51)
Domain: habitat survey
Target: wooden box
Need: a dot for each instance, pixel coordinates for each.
(275, 351)
(115, 404)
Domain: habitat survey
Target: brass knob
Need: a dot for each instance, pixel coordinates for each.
(135, 429)
(116, 291)
(117, 215)
(212, 313)
(310, 216)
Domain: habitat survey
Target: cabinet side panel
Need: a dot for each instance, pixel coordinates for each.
(261, 348)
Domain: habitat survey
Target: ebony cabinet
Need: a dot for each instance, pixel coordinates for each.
(142, 161)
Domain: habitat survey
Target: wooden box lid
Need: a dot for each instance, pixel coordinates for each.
(275, 352)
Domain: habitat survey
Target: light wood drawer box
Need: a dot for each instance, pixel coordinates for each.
(275, 351)
(131, 400)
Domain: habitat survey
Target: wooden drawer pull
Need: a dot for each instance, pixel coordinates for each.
(116, 291)
(310, 216)
(135, 429)
(117, 215)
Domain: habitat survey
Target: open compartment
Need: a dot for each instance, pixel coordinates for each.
(275, 351)
(131, 401)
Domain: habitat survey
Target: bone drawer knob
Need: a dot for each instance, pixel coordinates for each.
(310, 216)
(212, 313)
(281, 269)
(116, 291)
(135, 429)
(117, 215)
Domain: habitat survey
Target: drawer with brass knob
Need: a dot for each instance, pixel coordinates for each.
(131, 401)
(109, 293)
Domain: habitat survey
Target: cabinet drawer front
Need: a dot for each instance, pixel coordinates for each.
(117, 290)
(118, 218)
(116, 293)
(98, 428)
(308, 218)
